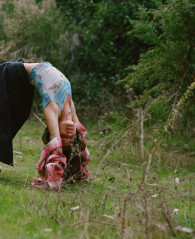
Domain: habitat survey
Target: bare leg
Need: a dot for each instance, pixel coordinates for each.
(51, 112)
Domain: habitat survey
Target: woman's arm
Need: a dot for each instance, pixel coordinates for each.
(74, 115)
(29, 66)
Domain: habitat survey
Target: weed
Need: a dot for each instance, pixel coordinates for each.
(113, 203)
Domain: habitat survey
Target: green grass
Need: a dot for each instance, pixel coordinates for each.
(112, 204)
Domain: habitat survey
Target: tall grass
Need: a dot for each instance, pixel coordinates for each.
(111, 204)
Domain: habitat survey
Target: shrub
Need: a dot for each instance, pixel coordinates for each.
(167, 67)
(105, 48)
(36, 31)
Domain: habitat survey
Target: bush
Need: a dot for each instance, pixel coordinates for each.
(105, 46)
(167, 67)
(36, 31)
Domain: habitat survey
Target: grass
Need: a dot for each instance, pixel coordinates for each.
(113, 203)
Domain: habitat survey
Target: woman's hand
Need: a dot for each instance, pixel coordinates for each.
(67, 132)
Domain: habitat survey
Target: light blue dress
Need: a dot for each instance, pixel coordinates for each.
(51, 84)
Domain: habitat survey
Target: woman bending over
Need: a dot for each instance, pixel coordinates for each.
(64, 130)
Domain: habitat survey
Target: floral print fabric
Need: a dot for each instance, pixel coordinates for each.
(53, 163)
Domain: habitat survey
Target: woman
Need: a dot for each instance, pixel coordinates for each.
(59, 110)
(55, 91)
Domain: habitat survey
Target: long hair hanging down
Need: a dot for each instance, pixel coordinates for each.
(74, 156)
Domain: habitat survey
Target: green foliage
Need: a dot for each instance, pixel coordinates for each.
(93, 43)
(168, 29)
(103, 27)
(104, 46)
(159, 109)
(36, 31)
(181, 105)
(167, 68)
(88, 40)
(2, 33)
(118, 121)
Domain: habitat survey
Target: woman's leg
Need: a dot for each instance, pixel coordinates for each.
(52, 112)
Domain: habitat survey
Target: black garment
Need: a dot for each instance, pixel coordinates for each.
(16, 97)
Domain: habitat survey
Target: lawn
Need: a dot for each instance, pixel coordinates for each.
(114, 203)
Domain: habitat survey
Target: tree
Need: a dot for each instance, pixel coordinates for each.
(166, 70)
(104, 48)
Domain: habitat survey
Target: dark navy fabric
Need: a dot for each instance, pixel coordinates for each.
(16, 97)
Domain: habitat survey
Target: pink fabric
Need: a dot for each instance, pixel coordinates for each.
(81, 129)
(86, 155)
(51, 166)
(52, 163)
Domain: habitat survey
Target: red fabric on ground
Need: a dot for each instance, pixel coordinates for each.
(51, 166)
(52, 163)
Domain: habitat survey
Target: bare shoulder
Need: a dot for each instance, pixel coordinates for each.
(29, 66)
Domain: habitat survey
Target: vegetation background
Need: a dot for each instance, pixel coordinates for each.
(131, 66)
